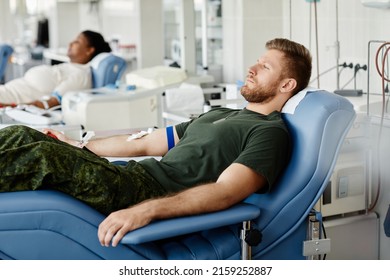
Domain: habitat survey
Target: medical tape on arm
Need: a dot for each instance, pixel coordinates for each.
(140, 134)
(84, 141)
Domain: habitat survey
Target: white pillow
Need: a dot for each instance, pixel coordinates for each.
(293, 102)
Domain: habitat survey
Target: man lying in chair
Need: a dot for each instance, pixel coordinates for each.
(217, 160)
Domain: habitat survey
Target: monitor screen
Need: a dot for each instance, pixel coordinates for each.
(43, 33)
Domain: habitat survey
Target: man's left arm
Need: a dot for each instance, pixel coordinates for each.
(235, 184)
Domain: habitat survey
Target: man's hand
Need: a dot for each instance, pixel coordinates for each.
(60, 136)
(118, 223)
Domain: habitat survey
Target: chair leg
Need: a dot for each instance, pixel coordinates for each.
(246, 250)
(249, 237)
(315, 246)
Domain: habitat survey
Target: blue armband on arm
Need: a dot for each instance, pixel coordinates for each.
(170, 137)
(57, 95)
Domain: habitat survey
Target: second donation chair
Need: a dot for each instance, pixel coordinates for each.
(5, 53)
(107, 69)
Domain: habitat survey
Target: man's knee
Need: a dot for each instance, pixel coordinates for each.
(20, 134)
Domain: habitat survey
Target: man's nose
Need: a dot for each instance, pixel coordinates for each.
(252, 70)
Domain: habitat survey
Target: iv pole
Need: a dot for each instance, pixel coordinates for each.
(316, 32)
(337, 46)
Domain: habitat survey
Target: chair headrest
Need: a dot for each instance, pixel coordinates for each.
(95, 62)
(5, 52)
(107, 68)
(294, 101)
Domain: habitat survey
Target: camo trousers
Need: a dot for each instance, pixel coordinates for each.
(30, 160)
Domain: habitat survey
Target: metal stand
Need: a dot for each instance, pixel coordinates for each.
(249, 237)
(246, 250)
(315, 246)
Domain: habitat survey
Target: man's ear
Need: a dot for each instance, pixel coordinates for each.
(288, 85)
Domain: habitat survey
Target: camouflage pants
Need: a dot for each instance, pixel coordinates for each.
(30, 160)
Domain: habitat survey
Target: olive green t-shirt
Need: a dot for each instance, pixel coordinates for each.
(210, 143)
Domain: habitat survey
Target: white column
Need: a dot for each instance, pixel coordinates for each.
(205, 63)
(150, 43)
(187, 36)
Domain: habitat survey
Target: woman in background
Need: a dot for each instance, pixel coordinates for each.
(44, 85)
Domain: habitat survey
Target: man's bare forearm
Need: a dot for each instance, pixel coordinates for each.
(202, 199)
(233, 185)
(113, 146)
(153, 144)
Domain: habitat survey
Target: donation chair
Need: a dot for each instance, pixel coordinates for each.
(106, 70)
(5, 53)
(51, 225)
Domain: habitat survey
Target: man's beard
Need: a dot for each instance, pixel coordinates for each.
(259, 94)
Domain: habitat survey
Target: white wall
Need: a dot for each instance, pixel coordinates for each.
(5, 23)
(114, 19)
(247, 26)
(357, 25)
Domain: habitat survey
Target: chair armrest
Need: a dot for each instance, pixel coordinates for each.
(190, 224)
